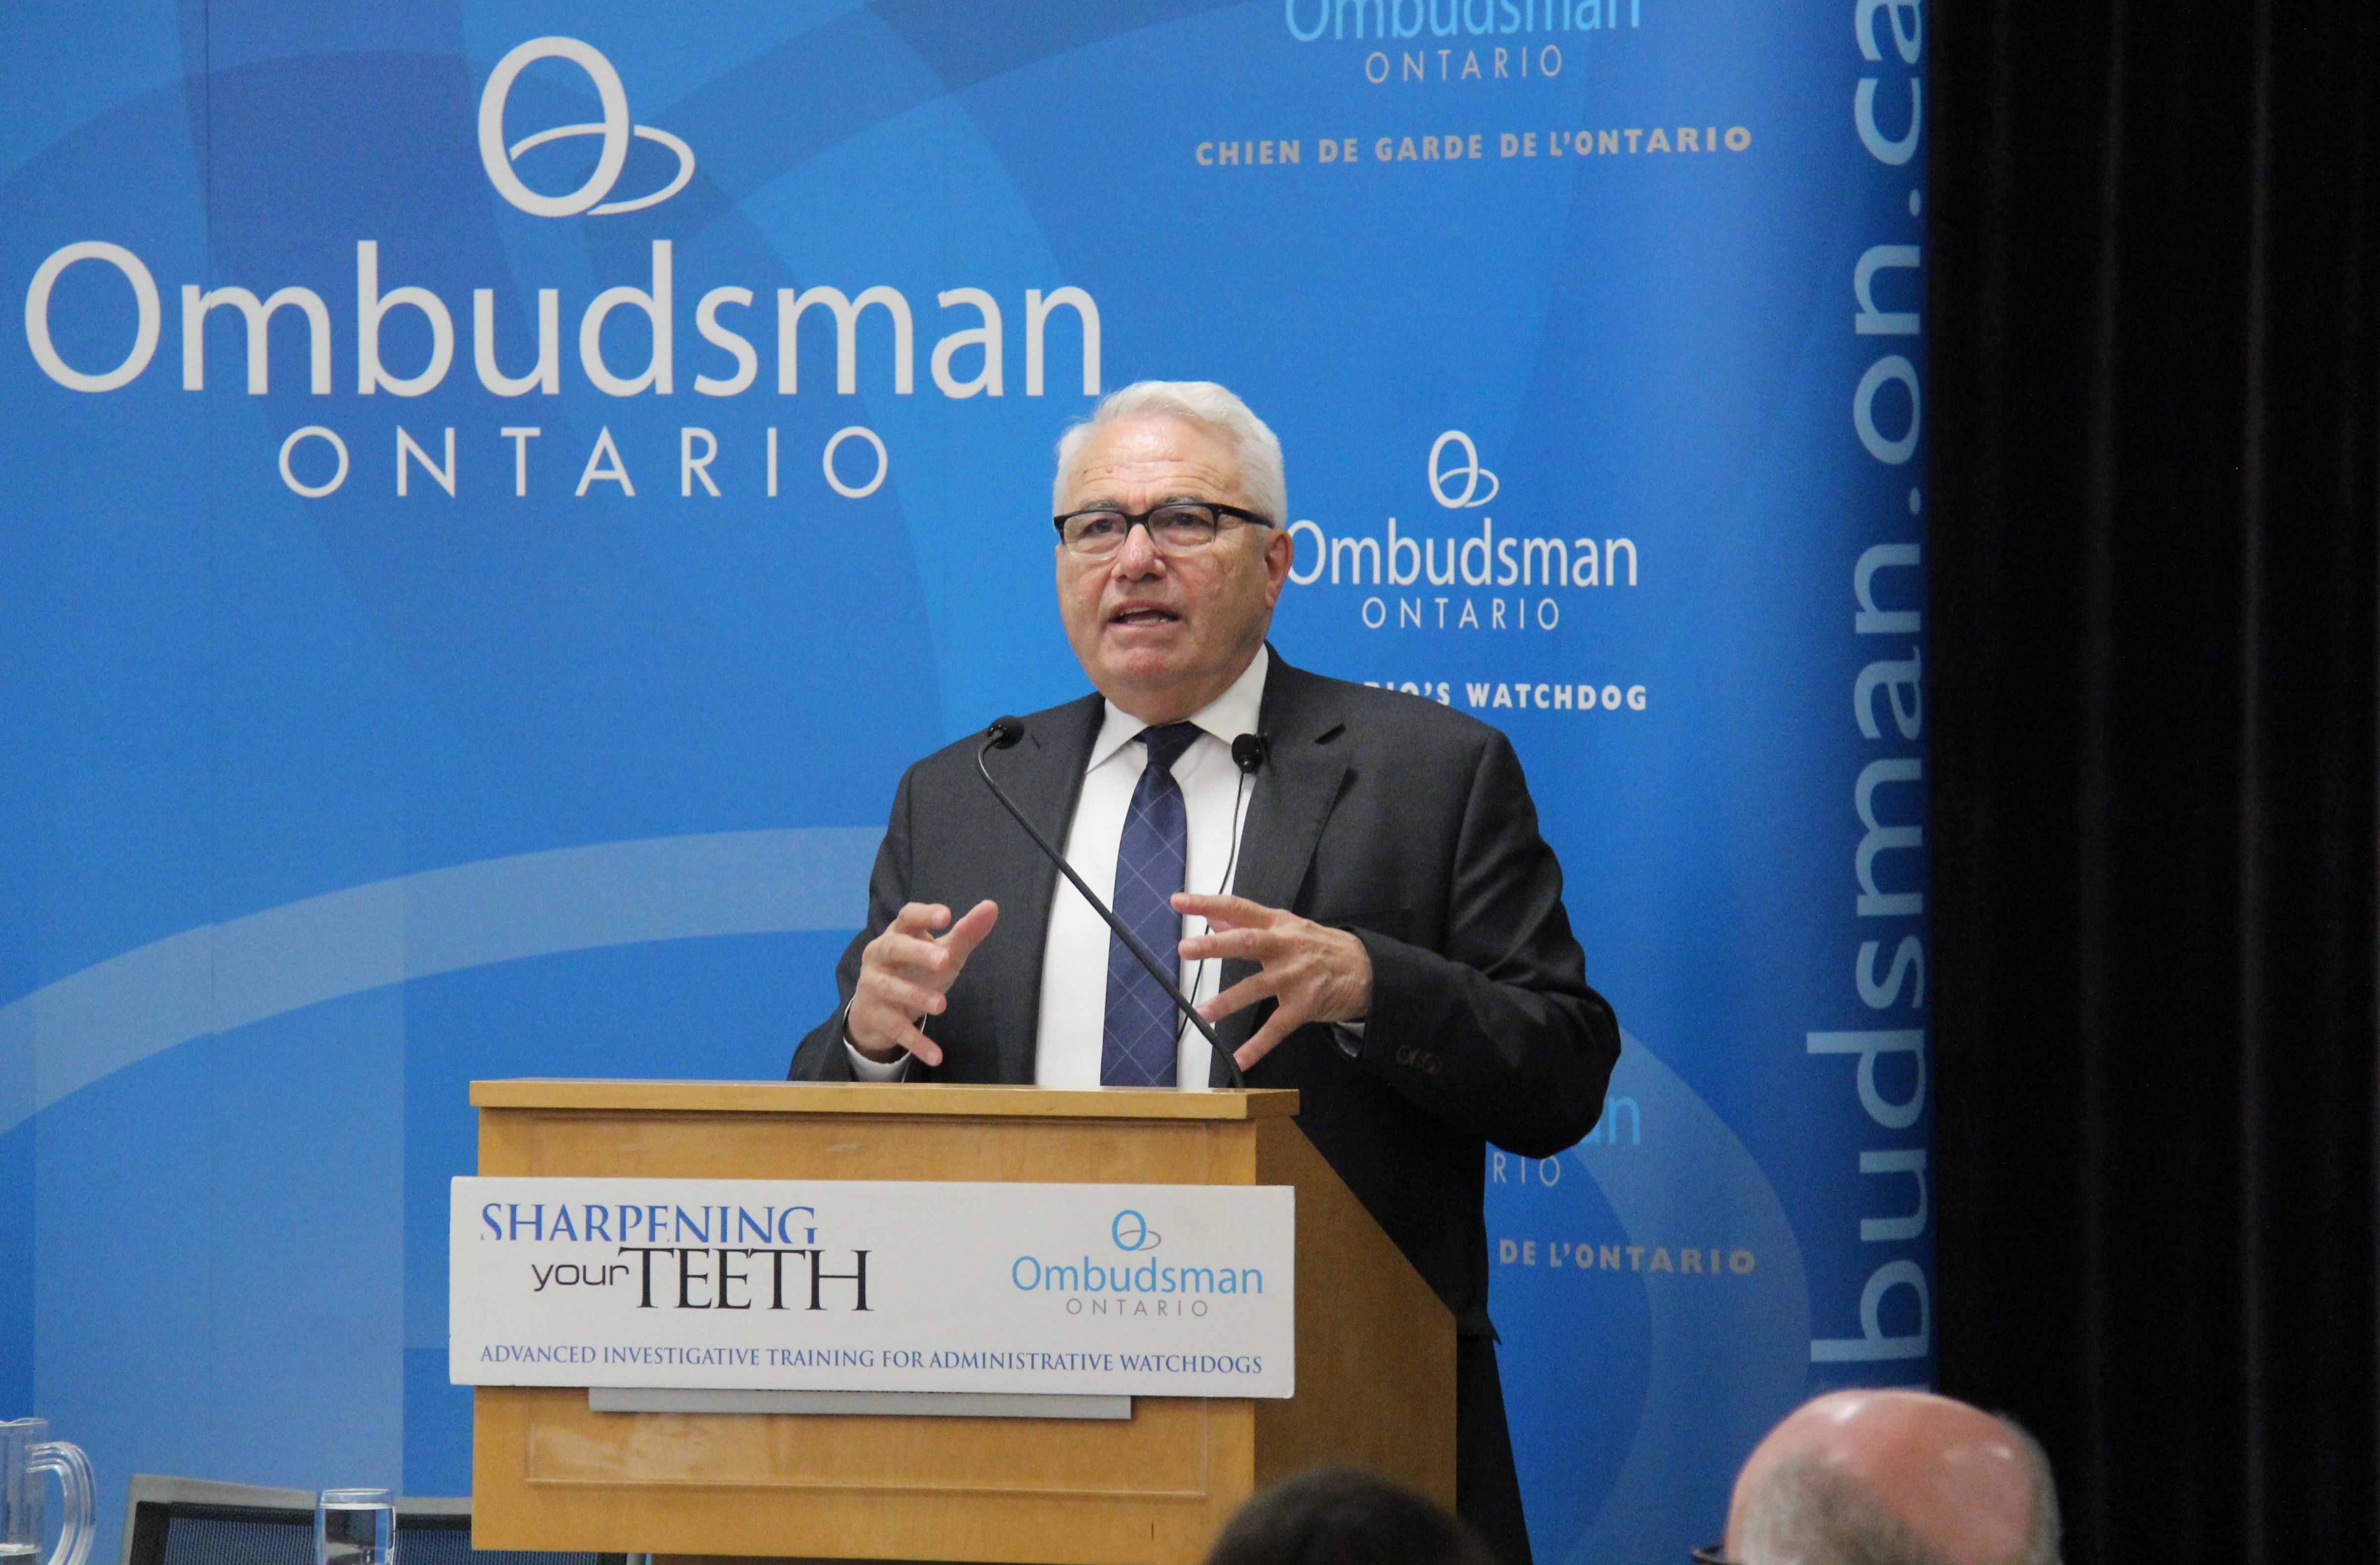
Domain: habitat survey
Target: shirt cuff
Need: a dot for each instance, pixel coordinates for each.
(863, 1069)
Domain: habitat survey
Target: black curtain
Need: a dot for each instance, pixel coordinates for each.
(2153, 378)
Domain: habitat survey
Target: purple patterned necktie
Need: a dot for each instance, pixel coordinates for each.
(1139, 1045)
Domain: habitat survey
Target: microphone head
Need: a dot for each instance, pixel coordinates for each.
(1005, 732)
(1249, 752)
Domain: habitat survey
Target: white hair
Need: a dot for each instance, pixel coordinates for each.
(1256, 450)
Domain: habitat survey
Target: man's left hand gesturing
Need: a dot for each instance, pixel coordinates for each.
(1317, 973)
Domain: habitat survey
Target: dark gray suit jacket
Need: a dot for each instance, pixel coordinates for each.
(1384, 814)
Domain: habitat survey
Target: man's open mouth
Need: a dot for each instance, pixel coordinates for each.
(1143, 614)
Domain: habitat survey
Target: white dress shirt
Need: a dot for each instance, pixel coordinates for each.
(1074, 957)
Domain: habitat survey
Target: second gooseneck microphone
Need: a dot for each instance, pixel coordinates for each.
(1007, 732)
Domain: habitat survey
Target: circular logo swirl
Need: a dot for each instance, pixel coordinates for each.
(1131, 1231)
(614, 129)
(1471, 472)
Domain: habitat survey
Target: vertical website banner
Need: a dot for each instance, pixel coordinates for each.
(498, 492)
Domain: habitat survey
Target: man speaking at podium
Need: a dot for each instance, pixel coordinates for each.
(1373, 918)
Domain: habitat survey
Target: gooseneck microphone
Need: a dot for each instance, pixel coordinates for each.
(1007, 731)
(1249, 752)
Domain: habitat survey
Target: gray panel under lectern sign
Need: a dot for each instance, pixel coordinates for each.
(898, 1404)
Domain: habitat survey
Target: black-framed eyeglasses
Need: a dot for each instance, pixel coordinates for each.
(1177, 528)
(1712, 1554)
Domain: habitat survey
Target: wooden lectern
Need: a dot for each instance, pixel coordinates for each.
(1375, 1345)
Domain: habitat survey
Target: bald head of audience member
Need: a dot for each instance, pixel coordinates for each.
(1894, 1478)
(1337, 1516)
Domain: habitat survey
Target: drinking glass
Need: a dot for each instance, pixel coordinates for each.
(354, 1527)
(26, 1453)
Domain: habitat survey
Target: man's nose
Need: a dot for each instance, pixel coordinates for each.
(1138, 557)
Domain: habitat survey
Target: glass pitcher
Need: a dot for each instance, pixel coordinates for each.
(25, 1455)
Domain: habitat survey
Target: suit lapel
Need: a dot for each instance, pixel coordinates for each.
(1044, 774)
(1291, 801)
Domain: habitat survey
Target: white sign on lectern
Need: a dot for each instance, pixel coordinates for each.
(849, 1285)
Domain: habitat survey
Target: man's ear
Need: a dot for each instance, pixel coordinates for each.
(1280, 553)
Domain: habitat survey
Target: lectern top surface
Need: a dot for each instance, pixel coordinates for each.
(883, 1098)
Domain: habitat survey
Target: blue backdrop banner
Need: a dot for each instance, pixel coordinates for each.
(496, 490)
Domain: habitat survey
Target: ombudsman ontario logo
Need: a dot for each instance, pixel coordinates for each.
(706, 458)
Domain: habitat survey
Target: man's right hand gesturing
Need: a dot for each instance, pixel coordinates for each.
(905, 975)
